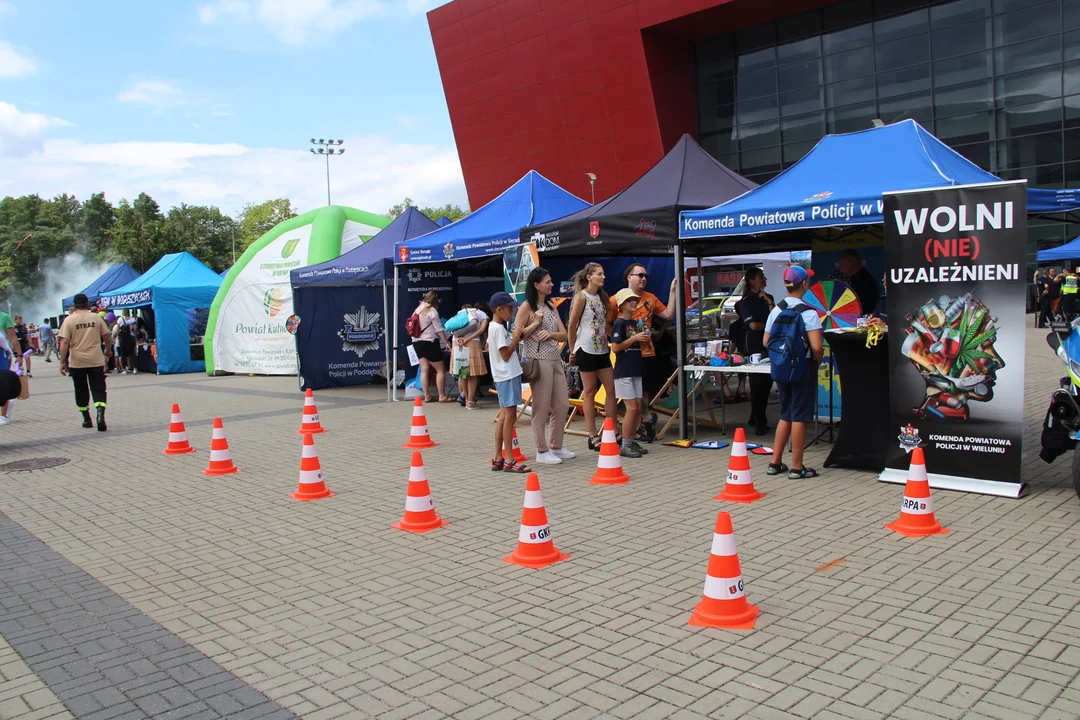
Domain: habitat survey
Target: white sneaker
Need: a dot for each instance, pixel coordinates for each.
(563, 453)
(547, 458)
(135, 371)
(5, 421)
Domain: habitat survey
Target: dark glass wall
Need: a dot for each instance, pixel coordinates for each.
(998, 80)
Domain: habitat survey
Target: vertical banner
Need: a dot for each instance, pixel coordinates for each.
(518, 262)
(339, 335)
(957, 260)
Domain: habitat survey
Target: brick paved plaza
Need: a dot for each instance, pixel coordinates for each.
(131, 585)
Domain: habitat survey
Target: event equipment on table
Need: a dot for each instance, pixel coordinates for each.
(835, 302)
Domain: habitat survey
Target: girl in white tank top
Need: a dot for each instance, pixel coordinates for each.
(587, 331)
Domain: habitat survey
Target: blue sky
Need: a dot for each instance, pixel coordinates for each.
(213, 101)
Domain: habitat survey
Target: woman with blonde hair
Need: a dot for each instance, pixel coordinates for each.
(589, 349)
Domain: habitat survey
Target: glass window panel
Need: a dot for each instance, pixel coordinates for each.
(963, 129)
(749, 63)
(1071, 42)
(756, 85)
(718, 119)
(717, 47)
(851, 118)
(1028, 55)
(798, 75)
(1001, 6)
(716, 93)
(719, 69)
(842, 40)
(798, 27)
(978, 153)
(1072, 180)
(918, 107)
(751, 111)
(964, 99)
(1047, 176)
(801, 50)
(901, 26)
(722, 147)
(800, 101)
(849, 92)
(851, 64)
(960, 40)
(1070, 16)
(1072, 78)
(963, 69)
(1072, 144)
(759, 36)
(803, 128)
(794, 152)
(959, 11)
(1072, 111)
(759, 135)
(1026, 24)
(902, 53)
(1029, 119)
(1028, 87)
(891, 7)
(902, 82)
(766, 160)
(1043, 149)
(844, 15)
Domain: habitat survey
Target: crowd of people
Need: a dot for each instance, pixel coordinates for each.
(1055, 295)
(614, 343)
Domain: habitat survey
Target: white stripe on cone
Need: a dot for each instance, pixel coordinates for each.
(917, 506)
(177, 437)
(312, 418)
(310, 477)
(608, 436)
(175, 418)
(738, 449)
(418, 430)
(418, 410)
(723, 545)
(724, 588)
(218, 434)
(608, 462)
(216, 455)
(417, 473)
(533, 499)
(418, 504)
(739, 477)
(917, 472)
(309, 451)
(534, 534)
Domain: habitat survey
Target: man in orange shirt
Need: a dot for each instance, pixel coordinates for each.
(649, 307)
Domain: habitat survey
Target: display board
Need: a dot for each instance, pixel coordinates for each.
(341, 335)
(956, 259)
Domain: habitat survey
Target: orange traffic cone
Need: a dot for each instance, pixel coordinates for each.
(220, 458)
(310, 422)
(517, 455)
(535, 548)
(312, 486)
(178, 442)
(723, 604)
(419, 509)
(739, 486)
(609, 470)
(419, 439)
(917, 510)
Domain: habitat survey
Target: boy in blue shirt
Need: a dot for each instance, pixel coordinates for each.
(626, 339)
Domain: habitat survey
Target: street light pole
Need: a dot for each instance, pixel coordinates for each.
(592, 186)
(327, 148)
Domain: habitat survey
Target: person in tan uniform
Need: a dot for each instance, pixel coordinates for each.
(81, 337)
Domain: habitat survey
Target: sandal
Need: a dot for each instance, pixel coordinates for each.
(429, 399)
(741, 397)
(471, 406)
(776, 469)
(516, 467)
(594, 442)
(802, 473)
(497, 465)
(447, 400)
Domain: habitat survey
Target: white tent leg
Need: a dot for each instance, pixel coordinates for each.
(386, 335)
(393, 370)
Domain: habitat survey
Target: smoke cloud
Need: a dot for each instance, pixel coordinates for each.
(63, 277)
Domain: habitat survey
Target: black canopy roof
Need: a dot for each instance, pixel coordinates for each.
(643, 219)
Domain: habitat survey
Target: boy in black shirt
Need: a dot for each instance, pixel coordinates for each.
(626, 339)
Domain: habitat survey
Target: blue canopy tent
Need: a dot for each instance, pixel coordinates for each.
(1068, 251)
(179, 290)
(443, 221)
(338, 336)
(114, 277)
(840, 183)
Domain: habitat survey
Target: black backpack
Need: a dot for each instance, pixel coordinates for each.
(125, 333)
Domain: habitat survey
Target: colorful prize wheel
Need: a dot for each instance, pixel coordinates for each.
(836, 304)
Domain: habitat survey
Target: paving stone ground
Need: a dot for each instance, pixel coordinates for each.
(323, 611)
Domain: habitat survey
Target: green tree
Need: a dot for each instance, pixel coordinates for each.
(398, 209)
(256, 220)
(32, 231)
(96, 219)
(453, 212)
(202, 231)
(139, 232)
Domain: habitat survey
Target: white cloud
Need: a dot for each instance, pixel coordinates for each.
(23, 133)
(374, 175)
(295, 22)
(12, 63)
(155, 93)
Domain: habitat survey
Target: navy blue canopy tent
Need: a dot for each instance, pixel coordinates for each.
(840, 183)
(443, 221)
(338, 339)
(1068, 251)
(179, 290)
(114, 277)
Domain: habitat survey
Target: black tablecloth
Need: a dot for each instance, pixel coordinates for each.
(864, 435)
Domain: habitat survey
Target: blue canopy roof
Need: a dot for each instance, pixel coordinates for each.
(177, 278)
(1068, 251)
(114, 277)
(841, 182)
(443, 221)
(531, 200)
(371, 261)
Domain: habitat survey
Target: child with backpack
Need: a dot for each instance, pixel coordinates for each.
(796, 347)
(506, 372)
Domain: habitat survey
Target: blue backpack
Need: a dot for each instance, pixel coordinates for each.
(788, 343)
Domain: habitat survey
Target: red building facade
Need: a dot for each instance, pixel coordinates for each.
(569, 87)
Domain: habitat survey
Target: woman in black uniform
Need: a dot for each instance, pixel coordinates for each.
(754, 310)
